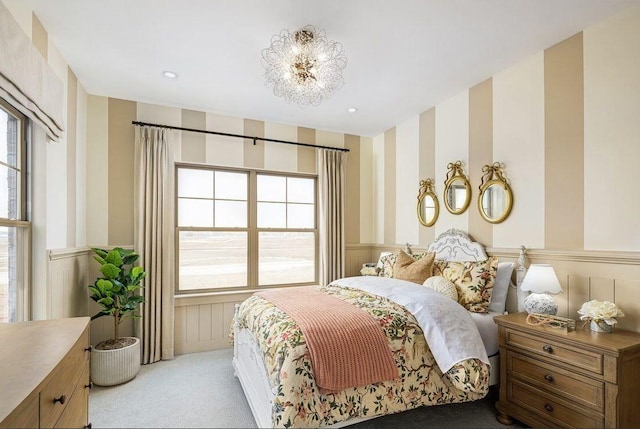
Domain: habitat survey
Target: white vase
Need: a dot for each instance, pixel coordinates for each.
(117, 366)
(601, 326)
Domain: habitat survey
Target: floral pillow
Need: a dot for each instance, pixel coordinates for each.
(474, 281)
(386, 264)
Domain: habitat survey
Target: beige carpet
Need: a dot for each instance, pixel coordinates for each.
(200, 390)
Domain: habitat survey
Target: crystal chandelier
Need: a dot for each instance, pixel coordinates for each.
(304, 67)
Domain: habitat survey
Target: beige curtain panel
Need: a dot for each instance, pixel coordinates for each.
(27, 81)
(332, 167)
(154, 241)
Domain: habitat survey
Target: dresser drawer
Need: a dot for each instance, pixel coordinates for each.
(571, 386)
(75, 414)
(556, 351)
(59, 389)
(552, 408)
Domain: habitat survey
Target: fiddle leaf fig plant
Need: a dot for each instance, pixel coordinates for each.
(117, 291)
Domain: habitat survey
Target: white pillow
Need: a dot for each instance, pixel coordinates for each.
(442, 285)
(501, 287)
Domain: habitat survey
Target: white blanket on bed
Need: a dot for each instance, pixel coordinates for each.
(448, 327)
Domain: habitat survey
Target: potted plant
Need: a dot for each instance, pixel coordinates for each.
(116, 360)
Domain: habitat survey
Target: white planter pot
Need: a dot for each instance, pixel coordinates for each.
(111, 367)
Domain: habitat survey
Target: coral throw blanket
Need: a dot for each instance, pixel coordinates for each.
(347, 346)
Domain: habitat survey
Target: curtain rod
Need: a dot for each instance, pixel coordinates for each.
(254, 138)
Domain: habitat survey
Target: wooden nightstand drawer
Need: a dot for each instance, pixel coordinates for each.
(573, 387)
(556, 351)
(552, 408)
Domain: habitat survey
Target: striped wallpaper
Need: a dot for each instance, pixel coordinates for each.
(111, 221)
(564, 123)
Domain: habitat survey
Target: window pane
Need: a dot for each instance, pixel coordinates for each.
(195, 212)
(9, 138)
(300, 190)
(9, 193)
(231, 214)
(286, 257)
(272, 215)
(212, 260)
(272, 188)
(11, 274)
(195, 183)
(300, 216)
(231, 186)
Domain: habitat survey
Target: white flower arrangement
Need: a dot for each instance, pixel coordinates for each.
(600, 311)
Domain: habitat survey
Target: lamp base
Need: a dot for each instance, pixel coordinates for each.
(540, 303)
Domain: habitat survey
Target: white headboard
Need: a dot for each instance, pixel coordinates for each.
(456, 245)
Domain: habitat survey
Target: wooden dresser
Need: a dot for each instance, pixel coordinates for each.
(553, 378)
(44, 380)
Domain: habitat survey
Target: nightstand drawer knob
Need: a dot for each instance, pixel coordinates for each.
(548, 407)
(547, 349)
(548, 377)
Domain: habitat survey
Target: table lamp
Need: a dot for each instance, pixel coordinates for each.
(541, 280)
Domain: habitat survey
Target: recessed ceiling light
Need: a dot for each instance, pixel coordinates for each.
(169, 74)
(352, 110)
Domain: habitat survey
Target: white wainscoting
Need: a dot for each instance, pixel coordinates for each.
(203, 322)
(70, 271)
(587, 275)
(67, 283)
(356, 256)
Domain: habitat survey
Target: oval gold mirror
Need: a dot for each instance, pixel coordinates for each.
(496, 199)
(457, 190)
(428, 206)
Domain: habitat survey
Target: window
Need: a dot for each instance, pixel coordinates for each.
(243, 228)
(14, 225)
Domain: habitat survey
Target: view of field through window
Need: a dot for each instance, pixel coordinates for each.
(214, 230)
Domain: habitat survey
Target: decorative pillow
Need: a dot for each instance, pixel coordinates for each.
(386, 263)
(474, 281)
(501, 288)
(410, 269)
(442, 285)
(388, 260)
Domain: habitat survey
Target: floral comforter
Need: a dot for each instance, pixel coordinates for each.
(298, 402)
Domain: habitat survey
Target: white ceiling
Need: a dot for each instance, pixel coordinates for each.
(405, 56)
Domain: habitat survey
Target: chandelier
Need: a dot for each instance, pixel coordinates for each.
(304, 67)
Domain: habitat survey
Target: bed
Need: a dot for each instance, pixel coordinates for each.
(277, 373)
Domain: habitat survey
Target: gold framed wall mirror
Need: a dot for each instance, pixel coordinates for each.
(457, 189)
(428, 206)
(496, 199)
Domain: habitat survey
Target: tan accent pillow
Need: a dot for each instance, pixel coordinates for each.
(407, 268)
(474, 281)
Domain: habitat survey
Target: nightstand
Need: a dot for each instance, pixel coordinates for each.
(553, 378)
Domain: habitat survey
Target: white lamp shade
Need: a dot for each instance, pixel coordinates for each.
(541, 278)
